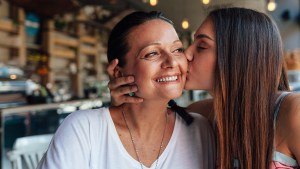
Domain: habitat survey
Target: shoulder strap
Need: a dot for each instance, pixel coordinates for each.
(277, 105)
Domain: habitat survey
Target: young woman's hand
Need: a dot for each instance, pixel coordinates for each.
(119, 88)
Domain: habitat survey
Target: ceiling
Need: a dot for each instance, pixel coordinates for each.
(194, 10)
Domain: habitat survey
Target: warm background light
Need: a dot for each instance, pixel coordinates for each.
(153, 2)
(205, 2)
(13, 77)
(185, 24)
(271, 6)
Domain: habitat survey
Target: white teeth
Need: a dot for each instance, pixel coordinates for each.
(167, 79)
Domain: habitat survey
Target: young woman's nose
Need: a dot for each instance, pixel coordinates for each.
(189, 54)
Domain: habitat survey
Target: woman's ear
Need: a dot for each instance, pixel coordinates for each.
(118, 72)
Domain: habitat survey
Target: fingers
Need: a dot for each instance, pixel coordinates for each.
(126, 99)
(111, 67)
(123, 90)
(119, 95)
(119, 87)
(129, 99)
(121, 81)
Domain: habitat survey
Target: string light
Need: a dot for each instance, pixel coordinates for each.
(205, 2)
(13, 77)
(271, 5)
(153, 2)
(185, 24)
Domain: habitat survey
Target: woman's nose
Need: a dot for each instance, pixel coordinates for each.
(189, 54)
(169, 61)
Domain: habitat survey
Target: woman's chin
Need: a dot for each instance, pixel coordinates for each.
(173, 95)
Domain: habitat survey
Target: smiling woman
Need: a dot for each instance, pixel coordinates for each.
(157, 61)
(140, 135)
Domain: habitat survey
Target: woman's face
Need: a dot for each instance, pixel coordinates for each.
(201, 55)
(156, 59)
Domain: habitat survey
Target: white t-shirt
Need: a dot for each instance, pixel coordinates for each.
(88, 140)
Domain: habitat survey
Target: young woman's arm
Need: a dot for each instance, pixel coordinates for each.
(203, 107)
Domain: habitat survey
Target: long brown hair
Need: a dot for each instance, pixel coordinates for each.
(248, 73)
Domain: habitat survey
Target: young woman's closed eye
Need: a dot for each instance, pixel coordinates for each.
(202, 46)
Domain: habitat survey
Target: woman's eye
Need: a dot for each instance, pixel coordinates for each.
(179, 50)
(201, 47)
(151, 54)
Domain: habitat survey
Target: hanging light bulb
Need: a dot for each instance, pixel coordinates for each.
(185, 24)
(205, 2)
(271, 5)
(153, 2)
(13, 77)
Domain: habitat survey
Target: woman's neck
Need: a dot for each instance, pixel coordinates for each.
(146, 117)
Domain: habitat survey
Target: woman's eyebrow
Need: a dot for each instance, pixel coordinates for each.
(200, 36)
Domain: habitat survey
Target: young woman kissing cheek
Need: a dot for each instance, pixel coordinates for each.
(201, 55)
(157, 61)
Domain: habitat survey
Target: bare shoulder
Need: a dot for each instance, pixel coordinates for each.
(203, 107)
(290, 110)
(291, 106)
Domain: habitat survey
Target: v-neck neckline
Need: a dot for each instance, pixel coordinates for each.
(113, 132)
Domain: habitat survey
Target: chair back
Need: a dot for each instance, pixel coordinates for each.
(28, 151)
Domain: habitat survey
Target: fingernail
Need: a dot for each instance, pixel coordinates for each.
(130, 78)
(134, 88)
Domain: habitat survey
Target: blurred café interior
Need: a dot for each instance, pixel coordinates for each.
(53, 59)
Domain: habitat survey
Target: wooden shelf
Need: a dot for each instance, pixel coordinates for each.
(64, 40)
(10, 41)
(65, 50)
(33, 46)
(13, 37)
(88, 39)
(64, 53)
(87, 50)
(88, 45)
(7, 25)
